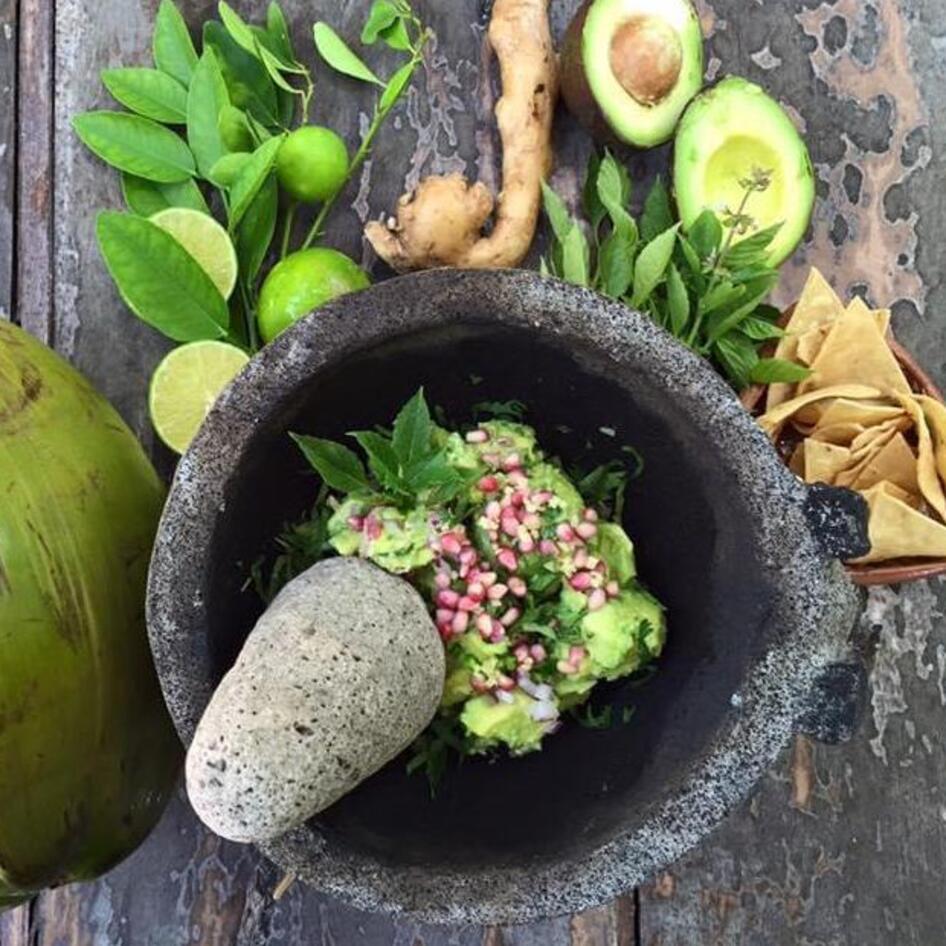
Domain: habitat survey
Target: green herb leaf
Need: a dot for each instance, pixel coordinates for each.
(593, 209)
(237, 27)
(576, 257)
(208, 95)
(225, 172)
(778, 371)
(616, 263)
(257, 229)
(725, 321)
(752, 249)
(651, 265)
(678, 301)
(383, 14)
(249, 85)
(706, 235)
(721, 295)
(339, 56)
(147, 198)
(657, 216)
(433, 472)
(555, 209)
(174, 51)
(251, 179)
(148, 92)
(759, 329)
(590, 719)
(338, 466)
(278, 30)
(136, 145)
(501, 410)
(396, 36)
(396, 87)
(144, 261)
(690, 256)
(613, 185)
(412, 430)
(738, 357)
(382, 459)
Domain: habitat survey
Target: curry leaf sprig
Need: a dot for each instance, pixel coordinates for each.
(202, 131)
(705, 286)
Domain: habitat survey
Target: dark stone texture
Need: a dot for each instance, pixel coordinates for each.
(838, 519)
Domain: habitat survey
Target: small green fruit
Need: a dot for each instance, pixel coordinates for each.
(312, 164)
(234, 129)
(303, 282)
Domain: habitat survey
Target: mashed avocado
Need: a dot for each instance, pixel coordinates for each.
(534, 594)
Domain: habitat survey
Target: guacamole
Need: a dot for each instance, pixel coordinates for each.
(536, 597)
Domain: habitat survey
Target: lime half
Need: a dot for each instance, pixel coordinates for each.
(206, 241)
(186, 385)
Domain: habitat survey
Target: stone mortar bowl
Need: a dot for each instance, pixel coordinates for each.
(743, 555)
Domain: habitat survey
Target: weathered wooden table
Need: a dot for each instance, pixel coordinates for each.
(837, 846)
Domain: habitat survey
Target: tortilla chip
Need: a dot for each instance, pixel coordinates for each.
(823, 461)
(868, 413)
(819, 304)
(935, 414)
(897, 531)
(873, 438)
(930, 486)
(859, 308)
(841, 434)
(891, 489)
(797, 462)
(809, 344)
(855, 352)
(773, 421)
(894, 463)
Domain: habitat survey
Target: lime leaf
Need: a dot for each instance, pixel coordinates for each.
(396, 36)
(148, 92)
(251, 179)
(778, 371)
(257, 229)
(412, 430)
(382, 15)
(147, 198)
(339, 56)
(137, 145)
(338, 466)
(278, 30)
(225, 172)
(159, 280)
(174, 51)
(396, 87)
(248, 82)
(678, 301)
(236, 27)
(652, 264)
(208, 95)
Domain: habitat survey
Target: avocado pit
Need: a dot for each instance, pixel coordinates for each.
(647, 58)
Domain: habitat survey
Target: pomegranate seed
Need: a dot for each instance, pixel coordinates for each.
(498, 633)
(356, 522)
(460, 623)
(451, 545)
(548, 548)
(532, 521)
(442, 580)
(565, 532)
(581, 559)
(507, 683)
(613, 589)
(476, 591)
(564, 667)
(497, 592)
(493, 510)
(484, 624)
(543, 497)
(507, 558)
(479, 685)
(491, 459)
(587, 530)
(489, 484)
(512, 462)
(590, 515)
(521, 652)
(468, 556)
(488, 579)
(576, 655)
(518, 587)
(518, 479)
(518, 498)
(526, 543)
(510, 525)
(538, 653)
(477, 436)
(597, 599)
(373, 529)
(581, 581)
(466, 603)
(445, 616)
(510, 617)
(448, 599)
(464, 572)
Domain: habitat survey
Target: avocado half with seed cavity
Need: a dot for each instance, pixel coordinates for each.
(728, 133)
(630, 67)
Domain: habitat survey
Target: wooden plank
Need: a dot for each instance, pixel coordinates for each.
(35, 168)
(8, 57)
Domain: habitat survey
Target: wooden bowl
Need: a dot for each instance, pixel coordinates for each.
(895, 571)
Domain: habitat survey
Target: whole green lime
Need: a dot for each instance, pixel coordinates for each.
(312, 164)
(303, 282)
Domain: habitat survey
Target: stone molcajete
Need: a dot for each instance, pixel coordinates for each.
(743, 555)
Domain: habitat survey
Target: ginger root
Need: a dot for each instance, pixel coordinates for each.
(441, 223)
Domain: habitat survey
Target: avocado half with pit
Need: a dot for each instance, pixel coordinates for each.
(728, 133)
(630, 67)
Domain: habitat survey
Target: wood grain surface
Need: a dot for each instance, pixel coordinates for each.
(838, 846)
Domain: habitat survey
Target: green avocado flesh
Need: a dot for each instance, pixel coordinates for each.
(635, 120)
(726, 134)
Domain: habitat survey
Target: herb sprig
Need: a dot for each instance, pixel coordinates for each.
(707, 286)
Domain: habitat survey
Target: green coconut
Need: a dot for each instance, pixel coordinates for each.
(88, 755)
